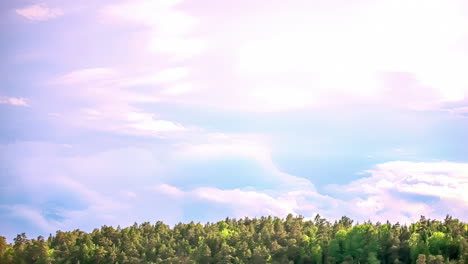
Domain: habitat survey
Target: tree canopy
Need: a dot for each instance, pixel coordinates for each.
(258, 240)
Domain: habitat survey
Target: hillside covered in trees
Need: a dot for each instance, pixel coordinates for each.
(263, 240)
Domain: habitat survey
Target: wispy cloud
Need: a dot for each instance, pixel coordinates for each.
(13, 101)
(39, 12)
(240, 201)
(34, 217)
(167, 28)
(110, 97)
(84, 76)
(210, 146)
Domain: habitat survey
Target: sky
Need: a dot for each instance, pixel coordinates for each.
(115, 112)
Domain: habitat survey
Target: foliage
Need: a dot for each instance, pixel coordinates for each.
(258, 240)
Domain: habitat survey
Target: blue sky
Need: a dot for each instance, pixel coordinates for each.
(122, 111)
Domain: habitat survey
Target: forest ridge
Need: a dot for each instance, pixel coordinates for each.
(258, 240)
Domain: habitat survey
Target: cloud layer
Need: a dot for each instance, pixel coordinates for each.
(193, 110)
(103, 193)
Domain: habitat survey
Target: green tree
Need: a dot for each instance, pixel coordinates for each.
(257, 240)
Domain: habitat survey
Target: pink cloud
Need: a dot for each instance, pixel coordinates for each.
(375, 197)
(167, 29)
(39, 12)
(306, 54)
(378, 199)
(13, 101)
(84, 76)
(446, 180)
(111, 101)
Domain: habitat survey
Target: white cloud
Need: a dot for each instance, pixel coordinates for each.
(163, 77)
(446, 180)
(110, 96)
(167, 28)
(121, 118)
(457, 112)
(345, 56)
(390, 207)
(34, 217)
(252, 147)
(460, 110)
(85, 76)
(247, 203)
(241, 202)
(169, 190)
(179, 88)
(142, 12)
(271, 62)
(299, 59)
(13, 101)
(52, 177)
(39, 12)
(180, 48)
(146, 122)
(265, 62)
(96, 199)
(45, 171)
(375, 198)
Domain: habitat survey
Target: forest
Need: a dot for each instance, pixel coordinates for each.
(259, 240)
